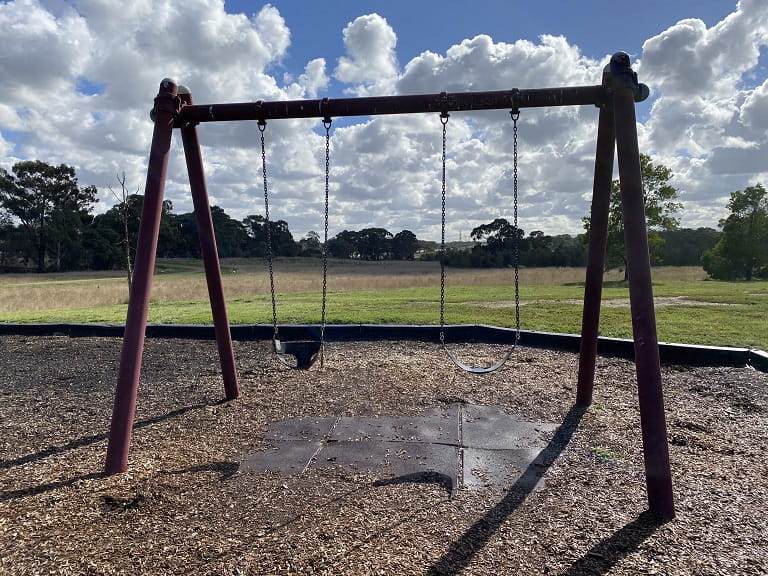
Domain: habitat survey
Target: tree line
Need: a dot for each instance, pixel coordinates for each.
(47, 223)
(495, 248)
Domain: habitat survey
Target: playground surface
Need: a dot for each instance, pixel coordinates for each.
(198, 499)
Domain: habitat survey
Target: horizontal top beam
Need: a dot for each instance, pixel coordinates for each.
(405, 104)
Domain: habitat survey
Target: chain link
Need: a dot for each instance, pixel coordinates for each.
(262, 126)
(515, 115)
(327, 126)
(444, 121)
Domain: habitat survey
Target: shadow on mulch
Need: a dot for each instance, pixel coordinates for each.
(92, 439)
(607, 553)
(225, 469)
(429, 477)
(87, 441)
(473, 540)
(42, 488)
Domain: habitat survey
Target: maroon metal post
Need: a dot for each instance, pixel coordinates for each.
(598, 235)
(209, 252)
(647, 362)
(164, 113)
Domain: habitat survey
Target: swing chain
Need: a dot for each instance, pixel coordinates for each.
(515, 113)
(444, 121)
(327, 125)
(262, 124)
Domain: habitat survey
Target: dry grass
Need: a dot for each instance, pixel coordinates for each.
(75, 290)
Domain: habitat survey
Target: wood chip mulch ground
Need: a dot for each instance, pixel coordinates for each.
(184, 508)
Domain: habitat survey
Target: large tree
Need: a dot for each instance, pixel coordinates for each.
(120, 224)
(404, 245)
(51, 207)
(231, 236)
(311, 245)
(742, 251)
(495, 246)
(343, 245)
(6, 231)
(685, 246)
(497, 235)
(112, 237)
(659, 198)
(283, 243)
(374, 243)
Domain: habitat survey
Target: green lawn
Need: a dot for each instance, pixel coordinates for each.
(688, 311)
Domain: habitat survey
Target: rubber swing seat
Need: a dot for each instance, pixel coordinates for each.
(304, 351)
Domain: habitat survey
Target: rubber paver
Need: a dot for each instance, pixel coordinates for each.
(458, 446)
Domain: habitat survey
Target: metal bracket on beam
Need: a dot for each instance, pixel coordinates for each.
(620, 70)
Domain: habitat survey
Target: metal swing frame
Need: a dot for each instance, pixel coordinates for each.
(616, 134)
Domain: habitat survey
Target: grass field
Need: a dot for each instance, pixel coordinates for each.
(690, 309)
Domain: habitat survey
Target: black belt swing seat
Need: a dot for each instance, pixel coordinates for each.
(305, 352)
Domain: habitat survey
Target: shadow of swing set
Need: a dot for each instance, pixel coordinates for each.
(616, 135)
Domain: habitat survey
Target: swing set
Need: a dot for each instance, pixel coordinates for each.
(616, 134)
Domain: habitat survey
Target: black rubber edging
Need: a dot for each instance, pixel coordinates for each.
(686, 354)
(758, 360)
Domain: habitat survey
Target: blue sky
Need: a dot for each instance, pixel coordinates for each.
(79, 77)
(597, 27)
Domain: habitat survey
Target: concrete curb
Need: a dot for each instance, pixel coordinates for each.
(670, 353)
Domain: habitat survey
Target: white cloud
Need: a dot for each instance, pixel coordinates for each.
(124, 50)
(371, 65)
(556, 145)
(5, 150)
(754, 112)
(79, 79)
(9, 118)
(705, 124)
(41, 54)
(689, 58)
(314, 78)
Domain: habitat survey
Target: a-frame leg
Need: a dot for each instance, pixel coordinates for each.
(210, 254)
(647, 362)
(598, 235)
(164, 114)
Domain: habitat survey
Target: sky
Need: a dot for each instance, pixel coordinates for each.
(78, 78)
